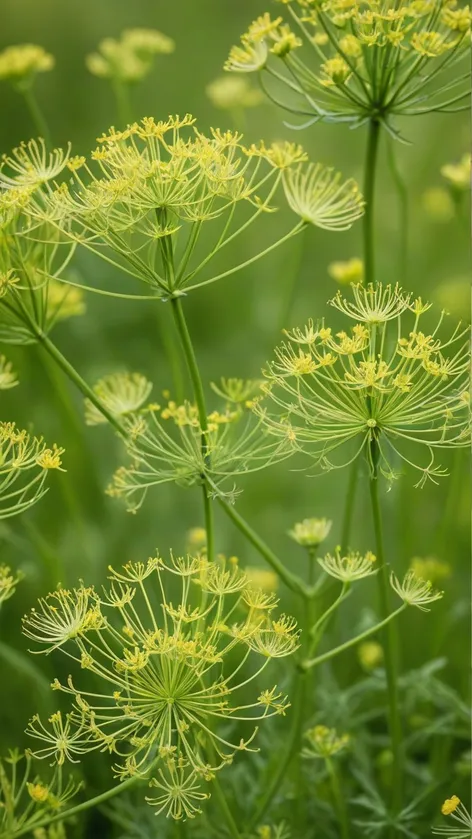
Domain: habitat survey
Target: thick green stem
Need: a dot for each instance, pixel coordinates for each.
(223, 805)
(37, 115)
(390, 648)
(292, 581)
(63, 815)
(369, 196)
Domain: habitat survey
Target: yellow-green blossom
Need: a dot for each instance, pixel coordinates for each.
(163, 677)
(386, 382)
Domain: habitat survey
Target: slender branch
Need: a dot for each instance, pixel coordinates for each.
(79, 808)
(197, 384)
(313, 662)
(292, 581)
(339, 801)
(350, 503)
(389, 642)
(36, 114)
(84, 388)
(369, 196)
(402, 191)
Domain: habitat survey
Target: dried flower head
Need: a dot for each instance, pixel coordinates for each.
(310, 532)
(130, 58)
(415, 591)
(368, 60)
(384, 389)
(165, 676)
(19, 64)
(324, 742)
(25, 462)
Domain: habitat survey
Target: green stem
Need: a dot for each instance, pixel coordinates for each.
(223, 804)
(291, 268)
(192, 364)
(339, 801)
(369, 195)
(284, 762)
(349, 506)
(197, 384)
(75, 377)
(370, 170)
(312, 662)
(36, 114)
(79, 808)
(402, 191)
(389, 646)
(122, 99)
(171, 350)
(292, 581)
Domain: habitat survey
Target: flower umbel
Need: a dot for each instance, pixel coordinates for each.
(130, 58)
(415, 591)
(368, 60)
(165, 677)
(144, 195)
(324, 742)
(310, 532)
(24, 465)
(382, 382)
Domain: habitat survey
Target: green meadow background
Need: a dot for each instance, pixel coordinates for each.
(76, 531)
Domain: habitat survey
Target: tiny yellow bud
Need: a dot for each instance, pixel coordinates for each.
(450, 805)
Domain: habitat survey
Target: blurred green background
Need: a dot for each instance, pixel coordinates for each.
(76, 531)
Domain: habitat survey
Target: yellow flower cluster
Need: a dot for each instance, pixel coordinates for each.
(372, 386)
(129, 59)
(20, 63)
(168, 675)
(24, 465)
(369, 56)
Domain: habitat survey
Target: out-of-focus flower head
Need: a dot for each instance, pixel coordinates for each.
(233, 93)
(129, 58)
(21, 63)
